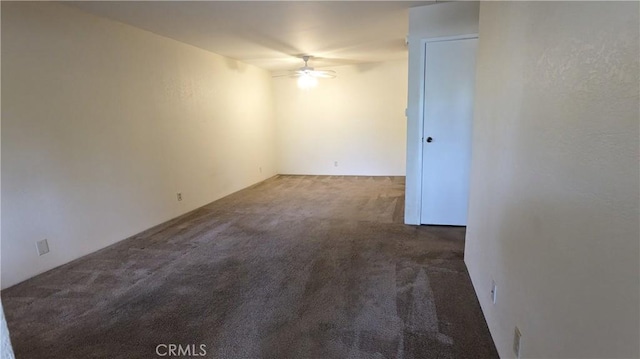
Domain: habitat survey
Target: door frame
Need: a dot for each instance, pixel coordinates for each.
(418, 126)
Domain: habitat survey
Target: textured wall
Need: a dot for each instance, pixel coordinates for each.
(356, 119)
(103, 123)
(553, 215)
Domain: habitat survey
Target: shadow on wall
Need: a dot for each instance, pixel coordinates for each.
(235, 65)
(367, 67)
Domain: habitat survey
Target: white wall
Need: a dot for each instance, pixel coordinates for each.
(426, 22)
(103, 123)
(356, 119)
(6, 352)
(553, 215)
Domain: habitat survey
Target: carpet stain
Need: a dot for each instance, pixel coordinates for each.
(293, 267)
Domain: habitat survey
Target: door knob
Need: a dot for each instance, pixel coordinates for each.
(429, 139)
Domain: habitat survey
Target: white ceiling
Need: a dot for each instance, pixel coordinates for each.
(272, 34)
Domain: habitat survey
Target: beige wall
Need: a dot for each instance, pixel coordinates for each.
(356, 119)
(103, 123)
(553, 215)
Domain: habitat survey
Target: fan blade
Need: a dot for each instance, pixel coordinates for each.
(307, 71)
(324, 74)
(290, 73)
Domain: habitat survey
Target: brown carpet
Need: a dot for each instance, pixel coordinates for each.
(294, 267)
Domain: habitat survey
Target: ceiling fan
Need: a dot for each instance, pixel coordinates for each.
(307, 76)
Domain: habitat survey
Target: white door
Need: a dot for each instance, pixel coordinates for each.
(446, 146)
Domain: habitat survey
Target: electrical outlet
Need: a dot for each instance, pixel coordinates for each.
(42, 247)
(179, 196)
(494, 291)
(260, 169)
(516, 342)
(335, 163)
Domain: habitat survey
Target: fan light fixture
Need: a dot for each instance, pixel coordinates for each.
(307, 81)
(307, 76)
